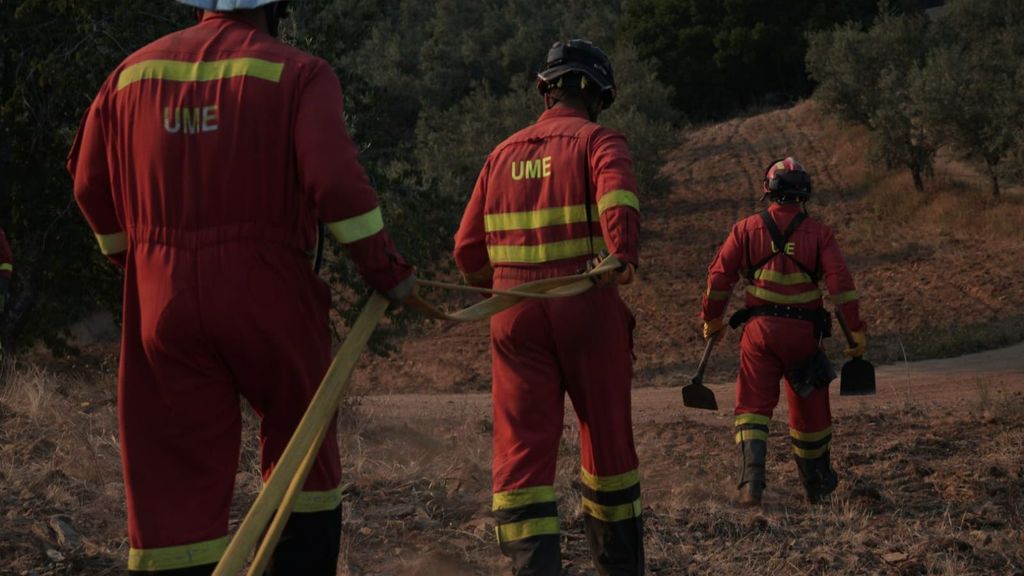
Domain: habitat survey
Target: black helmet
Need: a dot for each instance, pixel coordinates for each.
(787, 177)
(578, 56)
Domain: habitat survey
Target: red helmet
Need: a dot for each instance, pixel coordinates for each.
(787, 177)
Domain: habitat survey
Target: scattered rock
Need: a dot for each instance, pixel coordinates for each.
(67, 536)
(54, 555)
(865, 539)
(894, 557)
(758, 523)
(867, 492)
(984, 537)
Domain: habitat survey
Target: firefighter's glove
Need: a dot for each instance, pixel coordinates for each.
(862, 342)
(714, 330)
(622, 275)
(483, 277)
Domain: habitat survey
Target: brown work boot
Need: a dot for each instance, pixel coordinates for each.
(818, 477)
(752, 474)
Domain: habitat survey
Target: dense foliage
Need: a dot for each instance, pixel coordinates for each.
(430, 88)
(53, 57)
(918, 85)
(721, 57)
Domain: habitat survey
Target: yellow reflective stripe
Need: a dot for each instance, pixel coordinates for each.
(776, 298)
(522, 497)
(751, 418)
(540, 253)
(810, 454)
(6, 267)
(612, 513)
(844, 297)
(535, 219)
(718, 294)
(174, 557)
(112, 243)
(321, 501)
(783, 279)
(610, 483)
(358, 227)
(179, 71)
(527, 528)
(810, 436)
(745, 435)
(618, 198)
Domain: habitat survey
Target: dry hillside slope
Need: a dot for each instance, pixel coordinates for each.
(940, 274)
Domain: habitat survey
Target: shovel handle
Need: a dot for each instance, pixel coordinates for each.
(704, 359)
(846, 329)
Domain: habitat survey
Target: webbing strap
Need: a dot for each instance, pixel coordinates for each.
(546, 288)
(779, 239)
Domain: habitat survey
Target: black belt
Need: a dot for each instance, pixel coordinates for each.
(808, 314)
(820, 317)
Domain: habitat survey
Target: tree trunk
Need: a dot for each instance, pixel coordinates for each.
(995, 180)
(918, 180)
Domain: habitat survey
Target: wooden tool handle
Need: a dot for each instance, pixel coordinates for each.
(704, 359)
(846, 329)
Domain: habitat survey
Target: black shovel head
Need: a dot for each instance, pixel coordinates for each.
(696, 395)
(858, 378)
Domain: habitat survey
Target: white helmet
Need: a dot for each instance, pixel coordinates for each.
(227, 5)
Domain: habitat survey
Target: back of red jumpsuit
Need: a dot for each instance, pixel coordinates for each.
(772, 346)
(202, 166)
(547, 199)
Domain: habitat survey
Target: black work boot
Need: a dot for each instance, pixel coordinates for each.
(309, 545)
(818, 477)
(752, 474)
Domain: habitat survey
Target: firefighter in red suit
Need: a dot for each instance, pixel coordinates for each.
(202, 167)
(548, 199)
(784, 254)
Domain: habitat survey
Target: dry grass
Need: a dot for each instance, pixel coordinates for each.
(929, 489)
(926, 489)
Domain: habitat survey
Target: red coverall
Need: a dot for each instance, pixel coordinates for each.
(772, 346)
(202, 166)
(528, 219)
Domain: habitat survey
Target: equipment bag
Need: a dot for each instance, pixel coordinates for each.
(814, 373)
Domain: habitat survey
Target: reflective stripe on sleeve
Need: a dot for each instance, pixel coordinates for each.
(522, 497)
(531, 220)
(6, 267)
(526, 529)
(314, 501)
(844, 297)
(175, 557)
(180, 71)
(776, 298)
(358, 227)
(112, 243)
(718, 294)
(618, 198)
(540, 253)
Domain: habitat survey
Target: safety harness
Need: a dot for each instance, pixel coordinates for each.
(820, 317)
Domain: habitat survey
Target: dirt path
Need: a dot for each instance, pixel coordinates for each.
(931, 469)
(946, 382)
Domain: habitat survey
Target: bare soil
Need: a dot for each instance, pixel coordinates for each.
(932, 467)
